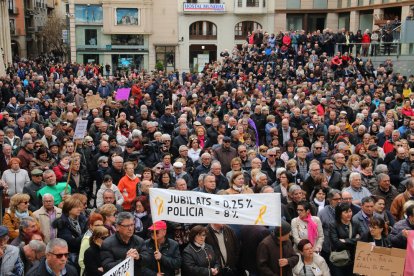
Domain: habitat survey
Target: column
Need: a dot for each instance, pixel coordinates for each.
(332, 21)
(354, 21)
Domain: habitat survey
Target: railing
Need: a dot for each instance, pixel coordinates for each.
(378, 49)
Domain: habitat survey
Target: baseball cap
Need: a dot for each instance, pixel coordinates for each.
(158, 225)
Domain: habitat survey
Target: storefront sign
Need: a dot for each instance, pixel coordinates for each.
(203, 7)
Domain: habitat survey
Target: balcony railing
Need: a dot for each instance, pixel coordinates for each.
(203, 37)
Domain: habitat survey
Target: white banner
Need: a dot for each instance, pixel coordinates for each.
(196, 207)
(81, 129)
(125, 268)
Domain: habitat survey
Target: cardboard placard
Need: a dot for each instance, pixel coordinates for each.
(378, 261)
(93, 101)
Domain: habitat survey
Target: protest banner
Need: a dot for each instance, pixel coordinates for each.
(409, 259)
(122, 94)
(378, 261)
(81, 129)
(93, 101)
(196, 207)
(125, 268)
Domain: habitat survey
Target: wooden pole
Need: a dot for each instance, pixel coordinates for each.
(280, 249)
(156, 247)
(70, 169)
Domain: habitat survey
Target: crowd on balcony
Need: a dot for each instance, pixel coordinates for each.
(287, 113)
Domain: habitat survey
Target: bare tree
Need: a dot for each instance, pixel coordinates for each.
(52, 33)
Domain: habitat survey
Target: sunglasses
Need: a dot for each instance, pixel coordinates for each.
(60, 256)
(25, 202)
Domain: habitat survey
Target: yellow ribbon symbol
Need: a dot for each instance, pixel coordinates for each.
(159, 202)
(260, 216)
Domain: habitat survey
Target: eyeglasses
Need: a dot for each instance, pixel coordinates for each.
(104, 162)
(158, 168)
(127, 226)
(60, 255)
(25, 202)
(10, 121)
(318, 147)
(271, 155)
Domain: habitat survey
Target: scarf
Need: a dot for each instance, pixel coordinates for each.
(201, 140)
(312, 229)
(200, 245)
(237, 188)
(66, 167)
(21, 215)
(75, 225)
(321, 204)
(139, 227)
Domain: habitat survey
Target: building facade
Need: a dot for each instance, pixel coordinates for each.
(124, 34)
(353, 15)
(207, 27)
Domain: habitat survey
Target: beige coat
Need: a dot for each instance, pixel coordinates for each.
(300, 231)
(44, 221)
(319, 266)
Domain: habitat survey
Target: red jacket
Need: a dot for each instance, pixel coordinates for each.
(366, 38)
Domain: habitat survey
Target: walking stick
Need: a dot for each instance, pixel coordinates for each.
(156, 247)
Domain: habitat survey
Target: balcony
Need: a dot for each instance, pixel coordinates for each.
(14, 11)
(250, 7)
(31, 30)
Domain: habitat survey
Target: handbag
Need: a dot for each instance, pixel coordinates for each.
(343, 257)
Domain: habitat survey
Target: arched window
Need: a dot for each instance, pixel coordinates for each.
(203, 30)
(243, 28)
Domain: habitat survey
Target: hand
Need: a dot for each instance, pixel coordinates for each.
(101, 269)
(1, 252)
(342, 240)
(405, 233)
(157, 255)
(283, 262)
(214, 271)
(160, 274)
(133, 253)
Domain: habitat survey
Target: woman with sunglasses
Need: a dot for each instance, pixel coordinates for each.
(93, 264)
(306, 226)
(18, 210)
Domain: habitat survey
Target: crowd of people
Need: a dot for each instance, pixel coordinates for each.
(330, 132)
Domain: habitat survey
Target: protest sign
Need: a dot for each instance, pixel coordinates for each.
(409, 260)
(122, 94)
(378, 261)
(125, 268)
(196, 207)
(93, 101)
(81, 129)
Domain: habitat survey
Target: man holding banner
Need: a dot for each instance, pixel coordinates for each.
(163, 253)
(124, 244)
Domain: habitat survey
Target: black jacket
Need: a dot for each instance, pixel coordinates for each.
(170, 261)
(232, 246)
(68, 233)
(92, 260)
(40, 270)
(113, 251)
(198, 261)
(339, 231)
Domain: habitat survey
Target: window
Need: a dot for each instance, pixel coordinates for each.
(11, 4)
(203, 30)
(214, 1)
(12, 23)
(125, 39)
(239, 3)
(252, 3)
(293, 4)
(91, 37)
(191, 1)
(320, 4)
(242, 29)
(165, 55)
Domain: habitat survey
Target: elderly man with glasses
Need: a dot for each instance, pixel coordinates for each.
(124, 244)
(56, 261)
